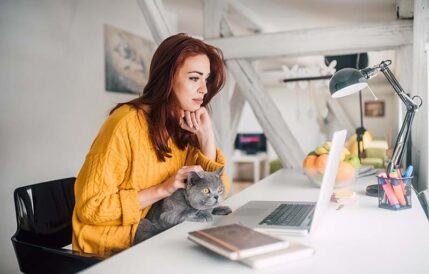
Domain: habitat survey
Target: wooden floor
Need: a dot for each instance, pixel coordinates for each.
(238, 186)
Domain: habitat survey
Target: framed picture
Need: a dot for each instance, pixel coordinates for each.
(127, 60)
(374, 109)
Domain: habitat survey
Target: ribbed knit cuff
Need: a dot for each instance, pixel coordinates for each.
(208, 164)
(130, 207)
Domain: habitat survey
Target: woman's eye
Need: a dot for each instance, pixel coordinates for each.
(195, 79)
(206, 190)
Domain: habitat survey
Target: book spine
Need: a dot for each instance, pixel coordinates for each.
(219, 242)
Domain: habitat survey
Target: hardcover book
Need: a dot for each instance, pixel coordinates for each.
(236, 241)
(294, 252)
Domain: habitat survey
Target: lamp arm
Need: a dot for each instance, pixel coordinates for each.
(412, 107)
(401, 139)
(409, 103)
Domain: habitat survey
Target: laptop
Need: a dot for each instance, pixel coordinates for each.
(287, 217)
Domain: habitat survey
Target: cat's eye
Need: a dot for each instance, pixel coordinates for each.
(219, 189)
(206, 190)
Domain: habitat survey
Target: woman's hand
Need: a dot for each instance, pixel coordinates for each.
(177, 181)
(199, 123)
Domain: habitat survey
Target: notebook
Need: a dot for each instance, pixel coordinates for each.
(287, 217)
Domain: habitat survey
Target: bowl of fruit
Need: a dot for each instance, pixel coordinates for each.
(315, 164)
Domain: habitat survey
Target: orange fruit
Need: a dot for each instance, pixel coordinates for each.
(309, 163)
(321, 162)
(345, 171)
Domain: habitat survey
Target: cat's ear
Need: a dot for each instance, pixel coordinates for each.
(219, 172)
(193, 177)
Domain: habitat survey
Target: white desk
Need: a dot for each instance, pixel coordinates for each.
(256, 160)
(360, 238)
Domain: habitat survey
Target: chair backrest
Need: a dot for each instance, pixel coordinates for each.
(43, 216)
(44, 212)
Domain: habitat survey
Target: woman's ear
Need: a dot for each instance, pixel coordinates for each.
(219, 172)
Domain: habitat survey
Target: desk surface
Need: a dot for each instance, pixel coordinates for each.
(359, 238)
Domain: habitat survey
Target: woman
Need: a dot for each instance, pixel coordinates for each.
(147, 146)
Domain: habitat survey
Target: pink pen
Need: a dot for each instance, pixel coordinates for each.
(398, 172)
(397, 188)
(393, 201)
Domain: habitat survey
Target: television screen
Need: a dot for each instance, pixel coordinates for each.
(251, 143)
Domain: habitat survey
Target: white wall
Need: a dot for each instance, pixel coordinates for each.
(52, 96)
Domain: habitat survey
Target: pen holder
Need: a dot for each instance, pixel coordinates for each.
(393, 193)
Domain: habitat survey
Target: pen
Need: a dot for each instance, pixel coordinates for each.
(393, 201)
(408, 171)
(404, 189)
(407, 174)
(397, 187)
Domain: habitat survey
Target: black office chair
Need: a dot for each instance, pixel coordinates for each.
(43, 216)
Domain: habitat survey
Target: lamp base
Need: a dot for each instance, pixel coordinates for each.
(372, 190)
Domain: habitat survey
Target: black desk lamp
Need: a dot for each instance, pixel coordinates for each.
(348, 81)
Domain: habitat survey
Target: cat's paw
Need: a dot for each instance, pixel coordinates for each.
(203, 216)
(221, 210)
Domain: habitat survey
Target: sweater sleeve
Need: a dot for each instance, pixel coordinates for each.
(196, 157)
(104, 195)
(99, 201)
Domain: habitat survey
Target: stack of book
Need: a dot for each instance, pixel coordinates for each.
(248, 246)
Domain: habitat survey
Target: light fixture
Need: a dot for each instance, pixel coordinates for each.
(347, 81)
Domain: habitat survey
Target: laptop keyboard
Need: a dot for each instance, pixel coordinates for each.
(288, 215)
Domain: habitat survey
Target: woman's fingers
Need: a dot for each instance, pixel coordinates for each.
(188, 119)
(194, 121)
(187, 169)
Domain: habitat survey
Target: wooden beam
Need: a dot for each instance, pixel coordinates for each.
(420, 87)
(323, 41)
(340, 115)
(237, 104)
(220, 105)
(252, 21)
(156, 18)
(213, 16)
(267, 113)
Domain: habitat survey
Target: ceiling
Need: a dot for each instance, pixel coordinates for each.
(277, 15)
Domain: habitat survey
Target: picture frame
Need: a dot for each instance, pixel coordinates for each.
(374, 109)
(127, 60)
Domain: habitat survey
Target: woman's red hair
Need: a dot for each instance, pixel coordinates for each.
(159, 96)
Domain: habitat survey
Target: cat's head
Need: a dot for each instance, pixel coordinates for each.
(204, 189)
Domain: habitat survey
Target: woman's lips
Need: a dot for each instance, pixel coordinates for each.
(198, 101)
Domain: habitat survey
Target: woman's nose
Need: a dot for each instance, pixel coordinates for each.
(203, 88)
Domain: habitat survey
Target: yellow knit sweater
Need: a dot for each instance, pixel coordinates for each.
(121, 162)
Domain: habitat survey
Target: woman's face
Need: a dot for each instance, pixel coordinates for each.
(189, 84)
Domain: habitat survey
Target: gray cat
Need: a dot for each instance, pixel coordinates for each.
(196, 203)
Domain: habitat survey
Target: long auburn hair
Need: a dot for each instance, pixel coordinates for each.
(158, 92)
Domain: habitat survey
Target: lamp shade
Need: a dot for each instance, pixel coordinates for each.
(347, 81)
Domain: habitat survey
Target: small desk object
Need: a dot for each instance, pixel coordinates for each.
(358, 238)
(257, 160)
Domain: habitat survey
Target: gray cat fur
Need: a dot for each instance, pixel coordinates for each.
(189, 204)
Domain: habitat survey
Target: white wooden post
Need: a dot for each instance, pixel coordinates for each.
(220, 105)
(404, 68)
(420, 88)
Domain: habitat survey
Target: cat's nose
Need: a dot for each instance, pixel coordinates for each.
(216, 197)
